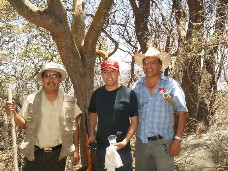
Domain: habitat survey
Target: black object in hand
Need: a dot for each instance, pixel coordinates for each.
(119, 136)
(93, 145)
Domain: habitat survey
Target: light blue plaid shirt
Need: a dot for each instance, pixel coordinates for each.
(155, 113)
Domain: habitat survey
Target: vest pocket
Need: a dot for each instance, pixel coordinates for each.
(32, 118)
(69, 124)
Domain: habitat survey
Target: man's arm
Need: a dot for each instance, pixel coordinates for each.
(131, 131)
(92, 126)
(11, 107)
(182, 117)
(176, 144)
(132, 128)
(76, 156)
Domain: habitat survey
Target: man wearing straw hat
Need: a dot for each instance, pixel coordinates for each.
(48, 117)
(156, 142)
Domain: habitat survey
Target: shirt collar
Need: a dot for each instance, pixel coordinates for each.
(60, 93)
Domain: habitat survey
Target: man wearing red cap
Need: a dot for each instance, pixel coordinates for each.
(110, 108)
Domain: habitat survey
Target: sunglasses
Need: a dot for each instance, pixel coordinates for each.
(51, 76)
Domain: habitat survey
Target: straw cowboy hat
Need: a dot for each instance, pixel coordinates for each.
(53, 67)
(153, 52)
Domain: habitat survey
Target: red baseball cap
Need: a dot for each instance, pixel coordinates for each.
(110, 64)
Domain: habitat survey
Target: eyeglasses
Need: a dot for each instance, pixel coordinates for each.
(52, 76)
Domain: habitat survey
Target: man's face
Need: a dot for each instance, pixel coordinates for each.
(51, 81)
(110, 76)
(151, 66)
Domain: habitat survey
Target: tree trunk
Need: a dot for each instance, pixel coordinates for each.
(192, 71)
(209, 75)
(141, 13)
(180, 15)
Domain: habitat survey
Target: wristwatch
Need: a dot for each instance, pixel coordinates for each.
(178, 138)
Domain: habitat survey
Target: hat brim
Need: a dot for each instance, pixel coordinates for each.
(61, 71)
(110, 67)
(163, 56)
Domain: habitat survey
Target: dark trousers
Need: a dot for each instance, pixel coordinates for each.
(125, 156)
(45, 161)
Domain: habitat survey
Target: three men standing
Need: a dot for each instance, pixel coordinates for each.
(48, 117)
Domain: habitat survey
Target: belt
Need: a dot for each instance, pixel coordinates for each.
(156, 137)
(48, 149)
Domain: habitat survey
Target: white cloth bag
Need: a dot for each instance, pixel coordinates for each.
(112, 159)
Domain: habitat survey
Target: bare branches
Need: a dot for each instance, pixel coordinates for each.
(40, 16)
(97, 24)
(113, 40)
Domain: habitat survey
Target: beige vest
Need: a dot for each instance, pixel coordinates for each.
(66, 121)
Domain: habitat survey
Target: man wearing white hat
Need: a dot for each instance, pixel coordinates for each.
(156, 142)
(48, 117)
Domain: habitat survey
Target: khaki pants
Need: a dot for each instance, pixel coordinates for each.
(153, 156)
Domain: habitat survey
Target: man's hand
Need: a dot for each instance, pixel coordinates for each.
(75, 158)
(121, 144)
(175, 148)
(11, 107)
(91, 139)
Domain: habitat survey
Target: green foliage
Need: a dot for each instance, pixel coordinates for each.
(24, 48)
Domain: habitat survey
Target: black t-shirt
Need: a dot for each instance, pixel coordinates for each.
(113, 109)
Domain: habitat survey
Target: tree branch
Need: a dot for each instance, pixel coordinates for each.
(113, 40)
(141, 22)
(97, 25)
(42, 17)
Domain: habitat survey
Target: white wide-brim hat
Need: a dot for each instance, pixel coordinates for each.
(153, 52)
(53, 67)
